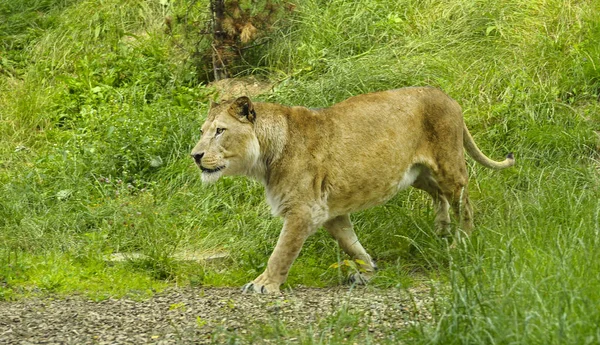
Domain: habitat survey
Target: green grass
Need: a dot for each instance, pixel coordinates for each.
(100, 106)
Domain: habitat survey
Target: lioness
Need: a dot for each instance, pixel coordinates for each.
(319, 165)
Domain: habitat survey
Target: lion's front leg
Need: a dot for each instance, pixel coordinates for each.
(296, 229)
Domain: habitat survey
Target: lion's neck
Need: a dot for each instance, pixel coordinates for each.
(271, 132)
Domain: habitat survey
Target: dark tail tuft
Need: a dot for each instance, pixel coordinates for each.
(510, 156)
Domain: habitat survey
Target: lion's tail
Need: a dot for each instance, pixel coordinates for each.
(480, 157)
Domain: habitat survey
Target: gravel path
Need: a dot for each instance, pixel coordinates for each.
(208, 315)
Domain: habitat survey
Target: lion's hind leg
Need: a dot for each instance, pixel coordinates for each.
(462, 210)
(453, 184)
(426, 182)
(341, 229)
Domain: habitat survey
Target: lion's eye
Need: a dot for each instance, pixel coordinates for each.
(220, 130)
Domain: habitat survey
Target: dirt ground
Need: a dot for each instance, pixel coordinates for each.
(209, 315)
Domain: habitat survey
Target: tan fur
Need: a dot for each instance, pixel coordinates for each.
(319, 165)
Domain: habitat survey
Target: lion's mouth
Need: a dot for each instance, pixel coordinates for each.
(211, 171)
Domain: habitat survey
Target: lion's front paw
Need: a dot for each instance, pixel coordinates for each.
(254, 287)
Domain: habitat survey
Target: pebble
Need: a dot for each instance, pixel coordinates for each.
(201, 315)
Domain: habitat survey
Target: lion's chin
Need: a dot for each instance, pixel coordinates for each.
(211, 177)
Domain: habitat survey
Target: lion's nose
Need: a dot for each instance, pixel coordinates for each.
(198, 157)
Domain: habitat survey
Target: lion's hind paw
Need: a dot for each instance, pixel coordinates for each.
(359, 278)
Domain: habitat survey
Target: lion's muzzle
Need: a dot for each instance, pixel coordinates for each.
(198, 157)
(210, 171)
(209, 165)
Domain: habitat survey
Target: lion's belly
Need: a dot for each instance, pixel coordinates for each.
(371, 192)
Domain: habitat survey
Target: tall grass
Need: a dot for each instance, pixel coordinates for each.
(99, 109)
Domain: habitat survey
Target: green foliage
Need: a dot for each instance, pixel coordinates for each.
(100, 106)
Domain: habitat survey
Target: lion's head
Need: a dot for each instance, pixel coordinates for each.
(228, 145)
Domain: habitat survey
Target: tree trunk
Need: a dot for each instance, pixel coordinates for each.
(221, 46)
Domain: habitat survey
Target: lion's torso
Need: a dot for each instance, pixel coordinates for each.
(360, 152)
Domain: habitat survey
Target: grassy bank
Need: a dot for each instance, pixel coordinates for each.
(100, 106)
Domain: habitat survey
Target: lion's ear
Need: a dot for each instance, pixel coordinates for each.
(213, 104)
(243, 109)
